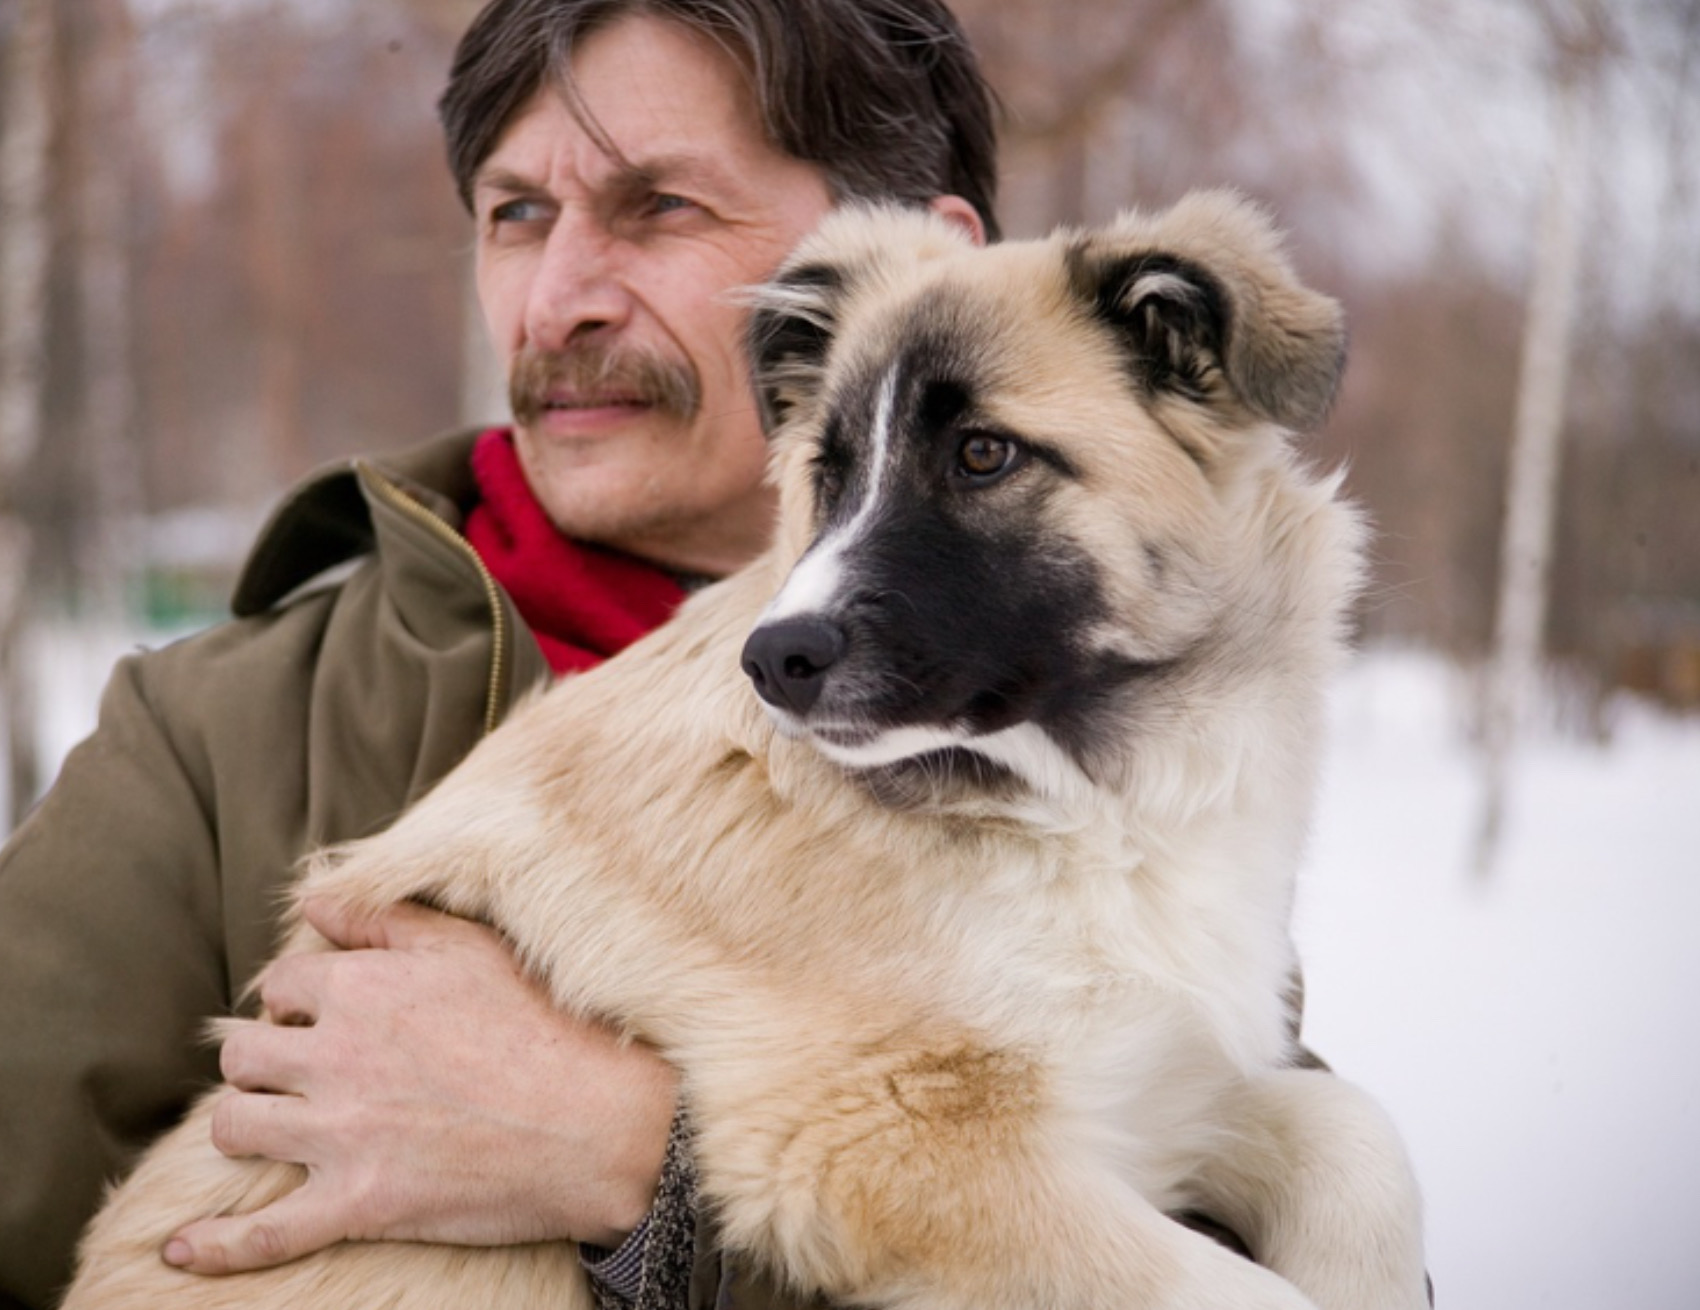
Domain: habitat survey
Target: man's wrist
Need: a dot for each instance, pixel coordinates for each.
(663, 1246)
(634, 1171)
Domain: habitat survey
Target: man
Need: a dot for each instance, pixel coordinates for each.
(628, 164)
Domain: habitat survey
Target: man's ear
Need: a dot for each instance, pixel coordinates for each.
(959, 213)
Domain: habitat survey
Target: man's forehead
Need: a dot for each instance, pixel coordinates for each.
(555, 128)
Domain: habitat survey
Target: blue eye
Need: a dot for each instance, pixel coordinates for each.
(517, 211)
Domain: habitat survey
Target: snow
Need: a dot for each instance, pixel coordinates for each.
(1534, 1033)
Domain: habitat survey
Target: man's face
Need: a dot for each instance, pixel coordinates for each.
(604, 279)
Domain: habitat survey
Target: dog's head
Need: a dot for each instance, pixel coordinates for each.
(1038, 495)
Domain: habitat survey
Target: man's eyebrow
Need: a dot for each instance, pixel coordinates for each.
(664, 172)
(671, 168)
(503, 179)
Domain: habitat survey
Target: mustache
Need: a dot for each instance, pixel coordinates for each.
(627, 373)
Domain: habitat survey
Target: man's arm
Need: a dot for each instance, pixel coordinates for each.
(115, 948)
(111, 959)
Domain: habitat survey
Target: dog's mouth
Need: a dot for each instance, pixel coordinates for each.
(869, 712)
(858, 743)
(843, 736)
(869, 745)
(839, 739)
(907, 759)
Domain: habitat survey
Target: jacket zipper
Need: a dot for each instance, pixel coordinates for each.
(496, 693)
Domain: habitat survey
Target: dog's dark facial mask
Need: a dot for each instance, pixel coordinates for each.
(934, 622)
(947, 620)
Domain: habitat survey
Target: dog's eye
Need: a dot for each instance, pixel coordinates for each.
(982, 457)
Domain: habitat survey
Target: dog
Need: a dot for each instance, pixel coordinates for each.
(963, 910)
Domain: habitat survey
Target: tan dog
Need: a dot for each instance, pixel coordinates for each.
(971, 942)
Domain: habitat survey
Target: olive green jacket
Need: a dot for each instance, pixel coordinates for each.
(142, 894)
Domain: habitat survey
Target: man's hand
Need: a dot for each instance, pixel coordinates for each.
(433, 1094)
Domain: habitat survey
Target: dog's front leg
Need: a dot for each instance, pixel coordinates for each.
(949, 1179)
(1315, 1178)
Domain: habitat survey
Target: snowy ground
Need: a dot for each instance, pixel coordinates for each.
(1536, 1034)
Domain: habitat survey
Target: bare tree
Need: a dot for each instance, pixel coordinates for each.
(1516, 660)
(483, 388)
(25, 242)
(1067, 74)
(105, 206)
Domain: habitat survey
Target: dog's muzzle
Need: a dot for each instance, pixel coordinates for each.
(788, 661)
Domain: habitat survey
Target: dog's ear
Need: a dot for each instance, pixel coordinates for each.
(1208, 308)
(795, 316)
(792, 321)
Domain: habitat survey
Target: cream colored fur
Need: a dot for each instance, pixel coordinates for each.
(956, 1055)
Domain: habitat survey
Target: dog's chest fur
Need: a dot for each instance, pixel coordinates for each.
(800, 913)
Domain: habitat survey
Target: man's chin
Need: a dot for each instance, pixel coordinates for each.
(627, 490)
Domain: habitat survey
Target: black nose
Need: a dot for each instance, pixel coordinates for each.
(788, 661)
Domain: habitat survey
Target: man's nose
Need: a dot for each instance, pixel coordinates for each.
(577, 287)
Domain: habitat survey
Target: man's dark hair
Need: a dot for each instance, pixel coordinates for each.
(884, 96)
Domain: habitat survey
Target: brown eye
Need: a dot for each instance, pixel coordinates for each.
(982, 456)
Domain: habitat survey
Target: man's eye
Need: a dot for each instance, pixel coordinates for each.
(516, 211)
(667, 203)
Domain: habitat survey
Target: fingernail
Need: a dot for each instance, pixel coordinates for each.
(178, 1252)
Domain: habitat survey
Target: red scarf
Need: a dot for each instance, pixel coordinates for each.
(581, 603)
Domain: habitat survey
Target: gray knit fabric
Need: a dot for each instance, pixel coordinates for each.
(667, 1239)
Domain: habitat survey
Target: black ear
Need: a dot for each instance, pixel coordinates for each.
(791, 326)
(1172, 316)
(795, 316)
(1208, 308)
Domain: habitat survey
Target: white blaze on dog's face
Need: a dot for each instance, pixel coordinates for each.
(1015, 464)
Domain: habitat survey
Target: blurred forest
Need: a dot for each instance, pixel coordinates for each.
(230, 251)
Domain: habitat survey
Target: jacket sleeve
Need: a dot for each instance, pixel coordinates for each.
(652, 1270)
(110, 962)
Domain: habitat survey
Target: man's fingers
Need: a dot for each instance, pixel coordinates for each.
(247, 1123)
(288, 1229)
(291, 987)
(262, 1057)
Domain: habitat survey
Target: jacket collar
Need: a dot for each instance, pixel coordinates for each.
(326, 520)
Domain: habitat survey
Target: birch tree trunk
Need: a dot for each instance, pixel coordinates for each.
(110, 470)
(25, 246)
(1516, 662)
